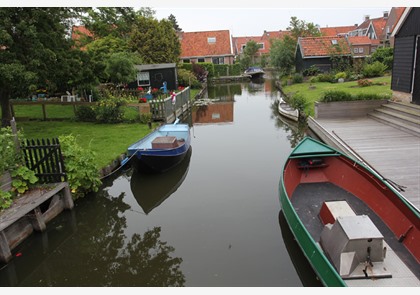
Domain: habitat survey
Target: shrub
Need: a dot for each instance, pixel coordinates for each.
(85, 114)
(311, 71)
(82, 174)
(297, 78)
(298, 101)
(376, 69)
(186, 78)
(336, 95)
(109, 110)
(326, 77)
(340, 75)
(8, 153)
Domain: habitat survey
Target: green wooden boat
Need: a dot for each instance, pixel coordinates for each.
(354, 227)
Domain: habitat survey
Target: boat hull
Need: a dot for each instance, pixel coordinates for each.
(159, 162)
(314, 175)
(288, 112)
(161, 150)
(319, 262)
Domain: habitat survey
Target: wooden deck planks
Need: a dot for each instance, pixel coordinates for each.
(393, 153)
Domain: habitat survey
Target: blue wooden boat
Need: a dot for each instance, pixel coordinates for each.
(162, 149)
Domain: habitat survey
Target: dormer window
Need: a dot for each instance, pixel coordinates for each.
(334, 42)
(211, 40)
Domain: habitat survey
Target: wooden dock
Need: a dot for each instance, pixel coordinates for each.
(393, 153)
(30, 212)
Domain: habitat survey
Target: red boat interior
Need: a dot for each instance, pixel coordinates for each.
(339, 178)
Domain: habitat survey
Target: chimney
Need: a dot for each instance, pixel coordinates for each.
(386, 14)
(367, 17)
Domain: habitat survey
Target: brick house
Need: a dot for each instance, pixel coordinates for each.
(317, 51)
(207, 46)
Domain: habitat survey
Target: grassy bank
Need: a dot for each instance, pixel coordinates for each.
(108, 141)
(313, 91)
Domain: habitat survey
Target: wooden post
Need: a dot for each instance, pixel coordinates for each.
(15, 135)
(44, 113)
(5, 253)
(37, 220)
(68, 199)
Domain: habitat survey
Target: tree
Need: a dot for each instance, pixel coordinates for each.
(35, 51)
(174, 23)
(384, 55)
(300, 28)
(251, 48)
(155, 41)
(282, 54)
(120, 68)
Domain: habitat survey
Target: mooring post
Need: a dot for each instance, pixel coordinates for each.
(5, 253)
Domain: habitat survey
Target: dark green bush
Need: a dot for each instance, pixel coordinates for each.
(298, 101)
(336, 95)
(326, 77)
(376, 69)
(85, 114)
(311, 71)
(297, 78)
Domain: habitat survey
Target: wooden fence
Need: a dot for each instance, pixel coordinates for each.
(45, 159)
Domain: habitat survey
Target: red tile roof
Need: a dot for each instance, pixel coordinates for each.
(335, 31)
(322, 46)
(266, 39)
(195, 44)
(363, 40)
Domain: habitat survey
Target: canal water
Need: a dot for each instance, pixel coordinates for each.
(213, 221)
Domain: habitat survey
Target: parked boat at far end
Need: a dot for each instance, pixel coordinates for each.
(254, 72)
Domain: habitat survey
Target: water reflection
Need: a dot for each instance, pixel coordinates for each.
(150, 190)
(295, 130)
(92, 250)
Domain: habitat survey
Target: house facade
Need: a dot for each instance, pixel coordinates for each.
(207, 46)
(405, 82)
(264, 42)
(318, 52)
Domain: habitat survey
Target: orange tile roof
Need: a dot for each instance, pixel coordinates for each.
(363, 40)
(335, 31)
(195, 44)
(322, 46)
(266, 38)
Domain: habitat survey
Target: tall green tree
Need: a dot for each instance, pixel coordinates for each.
(174, 23)
(282, 54)
(155, 41)
(35, 51)
(120, 67)
(300, 28)
(251, 48)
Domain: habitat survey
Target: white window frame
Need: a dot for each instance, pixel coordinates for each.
(143, 79)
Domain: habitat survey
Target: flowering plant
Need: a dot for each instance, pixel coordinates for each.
(142, 100)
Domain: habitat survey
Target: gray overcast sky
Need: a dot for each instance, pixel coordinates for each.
(251, 18)
(244, 17)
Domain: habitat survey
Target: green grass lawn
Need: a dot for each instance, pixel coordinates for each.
(108, 141)
(313, 91)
